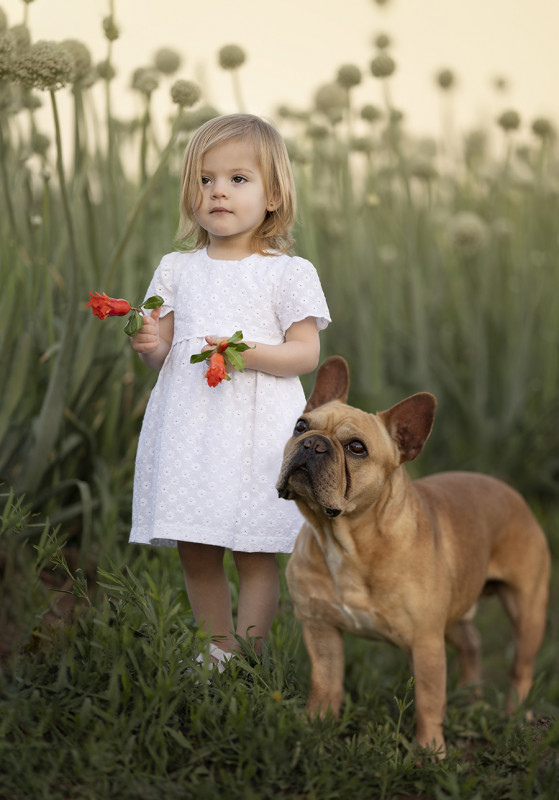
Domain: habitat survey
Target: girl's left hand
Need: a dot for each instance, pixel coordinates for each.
(213, 341)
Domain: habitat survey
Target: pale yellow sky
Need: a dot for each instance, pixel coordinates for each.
(293, 46)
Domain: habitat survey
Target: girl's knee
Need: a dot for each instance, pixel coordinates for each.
(255, 562)
(197, 557)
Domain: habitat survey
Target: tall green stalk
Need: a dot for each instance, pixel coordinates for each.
(46, 430)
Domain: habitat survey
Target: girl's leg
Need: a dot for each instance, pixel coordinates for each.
(259, 590)
(208, 590)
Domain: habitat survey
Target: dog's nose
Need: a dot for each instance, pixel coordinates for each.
(317, 444)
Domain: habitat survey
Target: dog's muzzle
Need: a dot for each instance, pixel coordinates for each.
(310, 459)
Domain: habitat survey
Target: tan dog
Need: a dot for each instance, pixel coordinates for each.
(386, 558)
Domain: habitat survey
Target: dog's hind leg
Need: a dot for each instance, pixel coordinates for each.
(465, 638)
(527, 613)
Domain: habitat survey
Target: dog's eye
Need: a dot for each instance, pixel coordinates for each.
(357, 448)
(301, 426)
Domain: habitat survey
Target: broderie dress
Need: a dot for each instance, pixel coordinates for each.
(208, 457)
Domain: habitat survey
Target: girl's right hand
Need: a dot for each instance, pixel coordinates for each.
(147, 339)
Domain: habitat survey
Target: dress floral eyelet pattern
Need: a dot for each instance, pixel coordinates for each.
(208, 458)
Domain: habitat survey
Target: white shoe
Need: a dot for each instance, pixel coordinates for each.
(218, 657)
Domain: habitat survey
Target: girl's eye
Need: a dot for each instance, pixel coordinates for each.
(204, 180)
(238, 179)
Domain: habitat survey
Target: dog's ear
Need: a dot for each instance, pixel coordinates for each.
(332, 383)
(409, 423)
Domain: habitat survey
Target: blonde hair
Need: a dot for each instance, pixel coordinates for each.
(273, 234)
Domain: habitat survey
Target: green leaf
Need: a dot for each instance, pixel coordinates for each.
(236, 337)
(235, 358)
(134, 323)
(153, 302)
(197, 358)
(241, 347)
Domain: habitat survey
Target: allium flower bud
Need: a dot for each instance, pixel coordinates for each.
(509, 120)
(185, 93)
(295, 152)
(424, 170)
(382, 41)
(475, 146)
(22, 37)
(111, 30)
(500, 83)
(231, 56)
(383, 65)
(191, 120)
(317, 132)
(349, 75)
(46, 65)
(105, 70)
(145, 80)
(39, 143)
(371, 113)
(81, 59)
(330, 98)
(469, 234)
(362, 144)
(7, 53)
(446, 79)
(167, 61)
(543, 128)
(382, 2)
(30, 101)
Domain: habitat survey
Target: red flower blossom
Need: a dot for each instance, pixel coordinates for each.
(216, 371)
(103, 306)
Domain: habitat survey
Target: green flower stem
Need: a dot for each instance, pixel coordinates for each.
(6, 187)
(45, 432)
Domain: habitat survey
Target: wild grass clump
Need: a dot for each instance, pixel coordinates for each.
(439, 261)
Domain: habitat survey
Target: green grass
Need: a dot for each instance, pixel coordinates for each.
(110, 702)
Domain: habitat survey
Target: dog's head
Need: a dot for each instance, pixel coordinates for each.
(339, 457)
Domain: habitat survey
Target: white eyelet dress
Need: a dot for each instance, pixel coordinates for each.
(208, 457)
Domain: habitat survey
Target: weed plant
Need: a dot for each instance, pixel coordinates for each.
(439, 262)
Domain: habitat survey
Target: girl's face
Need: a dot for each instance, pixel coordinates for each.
(232, 202)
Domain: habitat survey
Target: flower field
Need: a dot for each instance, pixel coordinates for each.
(439, 260)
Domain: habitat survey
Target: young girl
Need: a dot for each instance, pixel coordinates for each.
(209, 457)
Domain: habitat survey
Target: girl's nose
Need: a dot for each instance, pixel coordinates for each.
(219, 189)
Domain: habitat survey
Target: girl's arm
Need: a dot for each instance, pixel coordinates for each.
(298, 355)
(154, 340)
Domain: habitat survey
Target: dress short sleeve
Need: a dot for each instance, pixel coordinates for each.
(164, 283)
(299, 295)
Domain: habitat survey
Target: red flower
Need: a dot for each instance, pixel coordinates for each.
(103, 306)
(216, 371)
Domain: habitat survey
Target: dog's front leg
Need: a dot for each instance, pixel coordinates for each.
(325, 646)
(428, 662)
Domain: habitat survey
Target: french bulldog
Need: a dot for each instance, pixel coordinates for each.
(384, 557)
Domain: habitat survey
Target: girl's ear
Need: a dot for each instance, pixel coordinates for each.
(273, 203)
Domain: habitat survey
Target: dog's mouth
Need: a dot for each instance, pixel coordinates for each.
(298, 483)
